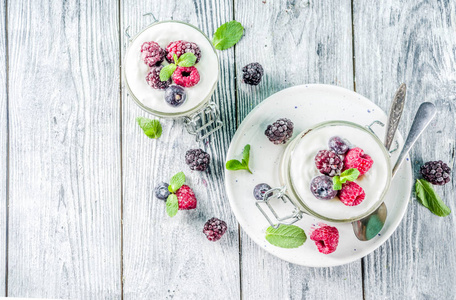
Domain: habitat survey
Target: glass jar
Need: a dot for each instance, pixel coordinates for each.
(297, 168)
(201, 117)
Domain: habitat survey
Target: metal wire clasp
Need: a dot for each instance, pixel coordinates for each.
(377, 122)
(204, 123)
(278, 193)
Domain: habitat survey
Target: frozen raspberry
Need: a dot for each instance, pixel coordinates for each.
(161, 191)
(186, 198)
(214, 229)
(153, 78)
(175, 95)
(197, 159)
(152, 54)
(322, 187)
(181, 47)
(186, 76)
(328, 163)
(338, 145)
(280, 131)
(355, 158)
(436, 172)
(252, 73)
(326, 238)
(351, 194)
(259, 190)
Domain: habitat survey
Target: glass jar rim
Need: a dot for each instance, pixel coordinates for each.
(291, 186)
(157, 113)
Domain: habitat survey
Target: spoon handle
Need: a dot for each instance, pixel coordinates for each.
(423, 117)
(394, 116)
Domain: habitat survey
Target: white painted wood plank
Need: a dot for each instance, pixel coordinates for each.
(64, 226)
(170, 257)
(3, 150)
(414, 43)
(296, 42)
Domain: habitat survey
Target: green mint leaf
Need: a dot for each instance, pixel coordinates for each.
(246, 155)
(337, 185)
(167, 71)
(172, 205)
(175, 59)
(349, 175)
(186, 60)
(234, 165)
(286, 236)
(227, 35)
(176, 182)
(152, 128)
(426, 195)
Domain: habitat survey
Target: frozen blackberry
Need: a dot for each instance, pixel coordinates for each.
(175, 95)
(252, 73)
(280, 131)
(197, 159)
(161, 191)
(152, 54)
(322, 187)
(338, 145)
(153, 78)
(329, 163)
(259, 190)
(214, 229)
(181, 47)
(436, 172)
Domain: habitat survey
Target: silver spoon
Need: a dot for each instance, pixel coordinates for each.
(368, 227)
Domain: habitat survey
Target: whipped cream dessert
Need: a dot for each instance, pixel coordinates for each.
(303, 170)
(136, 70)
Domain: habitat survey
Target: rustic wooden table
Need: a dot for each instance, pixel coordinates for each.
(77, 215)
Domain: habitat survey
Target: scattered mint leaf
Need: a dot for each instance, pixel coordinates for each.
(426, 195)
(235, 164)
(175, 58)
(152, 128)
(176, 182)
(337, 185)
(167, 71)
(347, 175)
(186, 60)
(286, 236)
(227, 35)
(172, 205)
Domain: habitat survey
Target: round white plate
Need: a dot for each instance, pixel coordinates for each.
(307, 105)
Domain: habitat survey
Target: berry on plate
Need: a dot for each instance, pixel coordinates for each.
(186, 198)
(259, 190)
(186, 76)
(326, 238)
(175, 95)
(197, 159)
(351, 194)
(252, 73)
(280, 131)
(357, 159)
(338, 145)
(181, 47)
(214, 229)
(436, 172)
(161, 191)
(329, 163)
(322, 187)
(152, 54)
(153, 78)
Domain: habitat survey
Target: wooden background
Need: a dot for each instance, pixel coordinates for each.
(77, 215)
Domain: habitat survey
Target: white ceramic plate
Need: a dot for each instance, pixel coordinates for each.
(307, 105)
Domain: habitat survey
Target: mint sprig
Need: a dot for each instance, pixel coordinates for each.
(172, 204)
(347, 175)
(426, 195)
(152, 128)
(235, 164)
(286, 236)
(187, 59)
(176, 182)
(227, 35)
